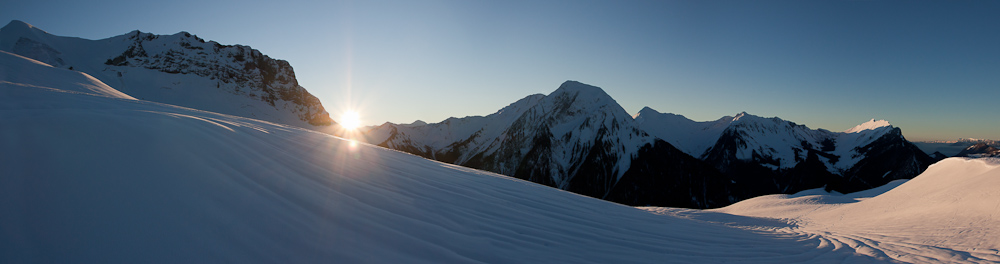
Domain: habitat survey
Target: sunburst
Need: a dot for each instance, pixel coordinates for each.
(350, 120)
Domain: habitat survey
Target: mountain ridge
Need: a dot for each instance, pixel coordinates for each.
(180, 69)
(579, 139)
(981, 149)
(88, 176)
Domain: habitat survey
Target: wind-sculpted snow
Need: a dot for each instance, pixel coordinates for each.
(18, 70)
(948, 214)
(88, 177)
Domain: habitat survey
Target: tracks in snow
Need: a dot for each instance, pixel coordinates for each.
(879, 246)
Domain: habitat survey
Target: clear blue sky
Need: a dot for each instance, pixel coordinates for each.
(929, 67)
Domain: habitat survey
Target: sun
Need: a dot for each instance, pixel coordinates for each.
(350, 120)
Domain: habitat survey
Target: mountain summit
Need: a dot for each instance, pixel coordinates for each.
(579, 139)
(91, 175)
(180, 69)
(870, 125)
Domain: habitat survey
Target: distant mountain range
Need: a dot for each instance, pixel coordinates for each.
(179, 69)
(90, 175)
(979, 150)
(952, 148)
(579, 139)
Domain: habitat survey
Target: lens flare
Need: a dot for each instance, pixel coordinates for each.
(350, 120)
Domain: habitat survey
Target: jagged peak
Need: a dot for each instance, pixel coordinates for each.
(870, 125)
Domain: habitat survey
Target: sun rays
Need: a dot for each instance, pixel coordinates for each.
(350, 120)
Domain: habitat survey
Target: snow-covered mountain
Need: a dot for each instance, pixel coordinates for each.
(91, 175)
(773, 142)
(979, 150)
(777, 156)
(179, 69)
(446, 140)
(17, 70)
(579, 139)
(770, 155)
(688, 135)
(951, 148)
(904, 221)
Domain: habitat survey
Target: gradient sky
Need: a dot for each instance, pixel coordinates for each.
(931, 68)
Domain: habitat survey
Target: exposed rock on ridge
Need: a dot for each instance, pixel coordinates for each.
(579, 139)
(179, 69)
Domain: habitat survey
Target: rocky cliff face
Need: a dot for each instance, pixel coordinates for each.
(179, 69)
(245, 71)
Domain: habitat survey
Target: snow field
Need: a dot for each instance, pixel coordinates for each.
(86, 176)
(950, 213)
(105, 180)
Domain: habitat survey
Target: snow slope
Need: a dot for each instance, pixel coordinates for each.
(950, 213)
(179, 69)
(87, 177)
(18, 70)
